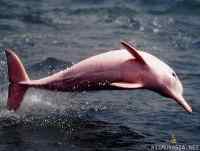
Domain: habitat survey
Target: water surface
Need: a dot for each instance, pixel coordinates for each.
(51, 35)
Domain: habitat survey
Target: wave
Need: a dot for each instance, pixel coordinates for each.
(160, 7)
(56, 15)
(48, 66)
(70, 128)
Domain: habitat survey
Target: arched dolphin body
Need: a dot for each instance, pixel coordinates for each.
(126, 68)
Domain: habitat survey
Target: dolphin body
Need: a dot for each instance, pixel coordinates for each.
(126, 68)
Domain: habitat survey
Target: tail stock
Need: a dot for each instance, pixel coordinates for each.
(16, 75)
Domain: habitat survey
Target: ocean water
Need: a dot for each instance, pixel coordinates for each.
(51, 35)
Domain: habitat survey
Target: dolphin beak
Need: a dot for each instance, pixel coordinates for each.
(180, 100)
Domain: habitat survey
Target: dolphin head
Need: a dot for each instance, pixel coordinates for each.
(159, 77)
(167, 83)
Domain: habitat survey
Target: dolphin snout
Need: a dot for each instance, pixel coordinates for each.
(180, 100)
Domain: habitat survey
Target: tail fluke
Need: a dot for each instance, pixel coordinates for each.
(15, 96)
(16, 75)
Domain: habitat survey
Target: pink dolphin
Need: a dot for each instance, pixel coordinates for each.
(127, 68)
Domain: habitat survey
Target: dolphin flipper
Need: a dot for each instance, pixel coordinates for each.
(127, 85)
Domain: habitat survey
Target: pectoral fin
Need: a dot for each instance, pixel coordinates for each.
(127, 85)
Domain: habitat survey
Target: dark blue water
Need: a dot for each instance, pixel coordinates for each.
(50, 35)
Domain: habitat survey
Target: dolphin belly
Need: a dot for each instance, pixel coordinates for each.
(79, 81)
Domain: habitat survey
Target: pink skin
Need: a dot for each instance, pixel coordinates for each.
(96, 72)
(126, 68)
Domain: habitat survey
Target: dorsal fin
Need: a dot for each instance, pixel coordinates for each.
(130, 48)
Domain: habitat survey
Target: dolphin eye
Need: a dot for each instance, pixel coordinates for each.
(174, 74)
